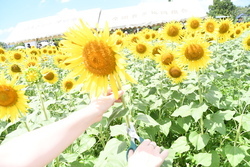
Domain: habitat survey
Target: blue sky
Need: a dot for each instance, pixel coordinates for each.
(14, 11)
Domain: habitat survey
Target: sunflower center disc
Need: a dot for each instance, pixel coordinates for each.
(17, 56)
(8, 96)
(194, 24)
(173, 31)
(210, 27)
(68, 85)
(99, 58)
(49, 76)
(248, 42)
(15, 68)
(194, 52)
(167, 58)
(175, 72)
(224, 28)
(140, 48)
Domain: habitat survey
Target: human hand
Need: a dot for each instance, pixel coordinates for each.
(147, 154)
(101, 104)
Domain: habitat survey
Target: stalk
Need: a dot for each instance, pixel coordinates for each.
(24, 122)
(42, 102)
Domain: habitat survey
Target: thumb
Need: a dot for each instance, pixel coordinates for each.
(130, 153)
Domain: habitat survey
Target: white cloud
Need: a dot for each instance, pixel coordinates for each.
(42, 1)
(64, 1)
(7, 30)
(4, 33)
(66, 11)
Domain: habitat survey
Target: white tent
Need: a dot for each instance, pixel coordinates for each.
(51, 26)
(144, 14)
(150, 13)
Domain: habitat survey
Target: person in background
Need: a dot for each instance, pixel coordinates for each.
(28, 45)
(39, 147)
(240, 19)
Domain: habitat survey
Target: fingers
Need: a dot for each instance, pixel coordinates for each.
(164, 154)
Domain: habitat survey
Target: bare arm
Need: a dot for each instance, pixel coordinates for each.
(41, 146)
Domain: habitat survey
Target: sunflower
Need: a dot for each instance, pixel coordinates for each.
(3, 58)
(30, 62)
(17, 56)
(156, 47)
(133, 38)
(60, 60)
(95, 58)
(166, 57)
(12, 99)
(2, 51)
(141, 49)
(209, 25)
(68, 84)
(224, 29)
(246, 42)
(172, 31)
(193, 24)
(119, 32)
(195, 53)
(32, 74)
(14, 69)
(238, 30)
(45, 50)
(33, 52)
(49, 75)
(176, 73)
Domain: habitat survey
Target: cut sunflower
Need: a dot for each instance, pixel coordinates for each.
(12, 99)
(94, 58)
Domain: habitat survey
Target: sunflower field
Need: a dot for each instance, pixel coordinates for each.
(187, 87)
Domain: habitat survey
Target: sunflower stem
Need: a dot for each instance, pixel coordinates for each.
(127, 116)
(24, 121)
(42, 102)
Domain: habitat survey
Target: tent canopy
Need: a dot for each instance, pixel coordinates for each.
(51, 26)
(144, 14)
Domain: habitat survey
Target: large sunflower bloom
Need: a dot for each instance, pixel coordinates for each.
(12, 99)
(95, 58)
(195, 53)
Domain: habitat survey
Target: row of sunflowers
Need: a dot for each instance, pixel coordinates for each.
(88, 61)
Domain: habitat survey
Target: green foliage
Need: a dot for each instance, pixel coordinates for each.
(222, 8)
(3, 45)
